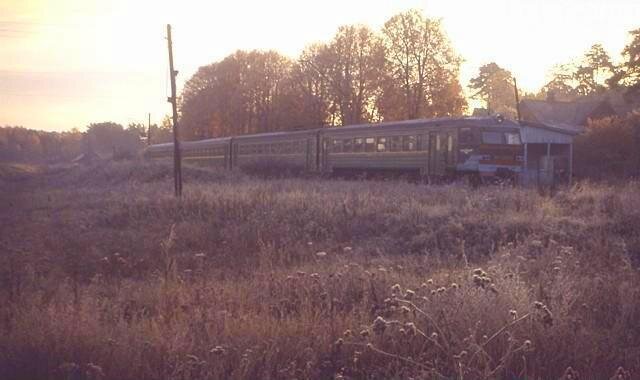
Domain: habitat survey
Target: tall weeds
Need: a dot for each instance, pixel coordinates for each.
(279, 279)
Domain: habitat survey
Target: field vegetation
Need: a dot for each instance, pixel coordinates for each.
(105, 275)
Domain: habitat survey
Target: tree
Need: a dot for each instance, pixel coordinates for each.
(355, 63)
(247, 92)
(421, 64)
(313, 85)
(594, 71)
(629, 71)
(26, 145)
(109, 137)
(593, 74)
(137, 129)
(562, 85)
(495, 86)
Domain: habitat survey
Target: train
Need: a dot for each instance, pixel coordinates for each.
(478, 148)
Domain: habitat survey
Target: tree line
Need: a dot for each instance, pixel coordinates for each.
(406, 70)
(106, 139)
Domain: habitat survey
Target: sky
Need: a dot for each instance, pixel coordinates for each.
(68, 63)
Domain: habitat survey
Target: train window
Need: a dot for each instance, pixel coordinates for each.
(382, 144)
(492, 138)
(358, 145)
(409, 143)
(450, 143)
(347, 145)
(424, 143)
(370, 144)
(512, 138)
(395, 144)
(437, 142)
(466, 136)
(337, 146)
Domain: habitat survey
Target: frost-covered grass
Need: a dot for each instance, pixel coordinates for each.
(106, 275)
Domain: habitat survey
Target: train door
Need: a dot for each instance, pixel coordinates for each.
(437, 153)
(234, 155)
(325, 154)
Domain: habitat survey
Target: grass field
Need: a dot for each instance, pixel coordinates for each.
(106, 276)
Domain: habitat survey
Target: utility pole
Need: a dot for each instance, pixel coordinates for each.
(515, 88)
(149, 130)
(177, 160)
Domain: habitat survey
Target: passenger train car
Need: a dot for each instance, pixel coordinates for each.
(478, 147)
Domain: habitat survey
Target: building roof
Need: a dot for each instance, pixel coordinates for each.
(572, 116)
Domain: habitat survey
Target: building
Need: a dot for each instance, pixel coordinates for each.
(548, 153)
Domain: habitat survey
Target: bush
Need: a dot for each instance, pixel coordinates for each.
(609, 149)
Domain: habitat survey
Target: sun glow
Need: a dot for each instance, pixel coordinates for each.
(64, 64)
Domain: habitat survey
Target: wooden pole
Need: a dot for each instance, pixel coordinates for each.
(177, 160)
(570, 163)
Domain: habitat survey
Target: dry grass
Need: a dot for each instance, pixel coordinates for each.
(105, 275)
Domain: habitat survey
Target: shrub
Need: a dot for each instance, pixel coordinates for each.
(609, 149)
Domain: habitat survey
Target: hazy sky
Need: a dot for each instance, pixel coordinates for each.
(66, 63)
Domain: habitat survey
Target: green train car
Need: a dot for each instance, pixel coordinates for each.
(478, 147)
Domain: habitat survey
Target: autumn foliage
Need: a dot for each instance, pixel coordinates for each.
(609, 149)
(407, 70)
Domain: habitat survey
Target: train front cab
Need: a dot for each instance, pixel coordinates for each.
(490, 153)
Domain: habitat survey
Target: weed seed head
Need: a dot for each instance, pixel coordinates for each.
(411, 328)
(570, 374)
(409, 294)
(379, 325)
(621, 374)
